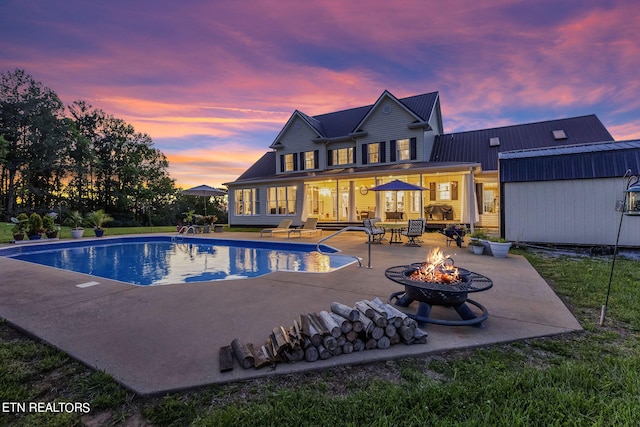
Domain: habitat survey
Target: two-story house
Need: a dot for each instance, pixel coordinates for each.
(324, 166)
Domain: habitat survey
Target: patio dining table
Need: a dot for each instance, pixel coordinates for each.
(395, 228)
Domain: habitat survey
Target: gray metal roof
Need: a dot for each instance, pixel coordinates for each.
(342, 123)
(583, 161)
(473, 146)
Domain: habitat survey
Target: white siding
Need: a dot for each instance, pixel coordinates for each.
(299, 137)
(385, 127)
(577, 212)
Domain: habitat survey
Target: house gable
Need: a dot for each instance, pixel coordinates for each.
(298, 126)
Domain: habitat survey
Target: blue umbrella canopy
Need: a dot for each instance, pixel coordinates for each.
(397, 185)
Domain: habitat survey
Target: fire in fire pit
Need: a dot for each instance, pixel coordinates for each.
(437, 269)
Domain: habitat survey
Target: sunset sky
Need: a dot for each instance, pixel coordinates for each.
(212, 82)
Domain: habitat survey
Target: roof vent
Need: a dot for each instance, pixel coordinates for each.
(559, 134)
(494, 142)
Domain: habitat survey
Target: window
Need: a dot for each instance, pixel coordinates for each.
(374, 153)
(444, 191)
(288, 163)
(341, 156)
(309, 160)
(281, 200)
(490, 200)
(404, 152)
(246, 201)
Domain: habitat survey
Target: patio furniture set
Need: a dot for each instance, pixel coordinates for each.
(308, 229)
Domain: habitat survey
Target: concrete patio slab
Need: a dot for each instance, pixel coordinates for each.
(165, 338)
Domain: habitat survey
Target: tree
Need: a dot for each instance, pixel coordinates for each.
(30, 116)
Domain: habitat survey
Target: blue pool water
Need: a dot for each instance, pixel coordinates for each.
(158, 261)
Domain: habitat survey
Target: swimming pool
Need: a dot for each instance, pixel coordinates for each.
(157, 260)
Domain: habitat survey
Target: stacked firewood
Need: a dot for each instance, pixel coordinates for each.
(341, 330)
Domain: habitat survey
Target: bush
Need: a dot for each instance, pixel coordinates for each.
(35, 224)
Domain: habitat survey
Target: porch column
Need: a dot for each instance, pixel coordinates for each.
(352, 202)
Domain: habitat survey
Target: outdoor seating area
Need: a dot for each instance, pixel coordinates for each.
(283, 227)
(308, 229)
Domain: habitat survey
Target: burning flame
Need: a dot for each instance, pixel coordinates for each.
(437, 269)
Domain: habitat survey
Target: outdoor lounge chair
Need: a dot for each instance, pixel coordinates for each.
(377, 233)
(308, 229)
(414, 230)
(283, 227)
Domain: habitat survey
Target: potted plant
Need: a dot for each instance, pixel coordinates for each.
(20, 226)
(477, 247)
(499, 247)
(35, 226)
(482, 237)
(97, 219)
(50, 228)
(75, 220)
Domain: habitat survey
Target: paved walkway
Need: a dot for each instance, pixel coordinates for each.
(165, 338)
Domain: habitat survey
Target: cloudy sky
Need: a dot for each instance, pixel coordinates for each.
(213, 81)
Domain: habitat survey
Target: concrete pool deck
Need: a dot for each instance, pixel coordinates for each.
(165, 338)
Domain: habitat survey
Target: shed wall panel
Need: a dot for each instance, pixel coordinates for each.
(573, 212)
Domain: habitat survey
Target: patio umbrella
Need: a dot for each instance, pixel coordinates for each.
(204, 191)
(397, 185)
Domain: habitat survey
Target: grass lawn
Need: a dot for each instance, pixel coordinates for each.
(6, 235)
(581, 379)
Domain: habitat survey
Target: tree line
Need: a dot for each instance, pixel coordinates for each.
(57, 158)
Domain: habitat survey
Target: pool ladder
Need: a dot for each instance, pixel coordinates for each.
(350, 228)
(183, 230)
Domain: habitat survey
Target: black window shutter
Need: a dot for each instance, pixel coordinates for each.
(316, 159)
(295, 161)
(281, 162)
(479, 196)
(382, 152)
(302, 162)
(353, 160)
(413, 149)
(392, 150)
(330, 158)
(454, 190)
(365, 153)
(432, 191)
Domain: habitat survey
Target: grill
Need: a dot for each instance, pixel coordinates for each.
(428, 294)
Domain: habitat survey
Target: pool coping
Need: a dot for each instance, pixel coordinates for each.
(158, 339)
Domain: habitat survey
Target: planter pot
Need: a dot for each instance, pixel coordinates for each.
(478, 250)
(99, 232)
(52, 234)
(18, 236)
(77, 234)
(487, 247)
(35, 236)
(500, 250)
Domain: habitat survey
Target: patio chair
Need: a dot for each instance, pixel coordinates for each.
(414, 230)
(308, 229)
(283, 227)
(377, 233)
